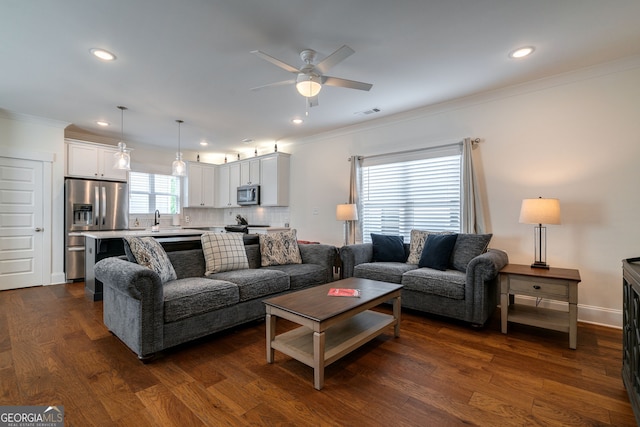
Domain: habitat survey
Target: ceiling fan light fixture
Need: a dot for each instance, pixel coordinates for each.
(178, 167)
(308, 85)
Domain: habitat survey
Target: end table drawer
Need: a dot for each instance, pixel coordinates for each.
(535, 288)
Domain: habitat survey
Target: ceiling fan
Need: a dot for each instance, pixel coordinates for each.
(311, 76)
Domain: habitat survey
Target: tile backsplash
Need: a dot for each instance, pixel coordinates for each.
(256, 215)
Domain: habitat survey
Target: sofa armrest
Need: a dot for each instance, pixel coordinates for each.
(352, 255)
(323, 255)
(127, 277)
(487, 265)
(133, 307)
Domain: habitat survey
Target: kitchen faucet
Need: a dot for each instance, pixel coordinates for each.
(156, 217)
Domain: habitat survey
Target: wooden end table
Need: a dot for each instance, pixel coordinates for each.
(331, 326)
(559, 284)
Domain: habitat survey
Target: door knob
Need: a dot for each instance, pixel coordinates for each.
(39, 229)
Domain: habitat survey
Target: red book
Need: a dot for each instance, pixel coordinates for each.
(343, 292)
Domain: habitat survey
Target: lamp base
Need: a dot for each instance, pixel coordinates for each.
(539, 264)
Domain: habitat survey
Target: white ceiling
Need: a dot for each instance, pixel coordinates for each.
(191, 59)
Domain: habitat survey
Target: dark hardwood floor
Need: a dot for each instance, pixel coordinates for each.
(55, 350)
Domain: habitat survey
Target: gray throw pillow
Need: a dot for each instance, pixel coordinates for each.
(149, 253)
(467, 247)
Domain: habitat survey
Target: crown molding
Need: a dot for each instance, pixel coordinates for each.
(12, 115)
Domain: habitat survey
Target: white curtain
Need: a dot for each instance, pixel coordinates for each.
(355, 185)
(472, 209)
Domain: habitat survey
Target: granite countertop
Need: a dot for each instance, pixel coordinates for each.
(164, 232)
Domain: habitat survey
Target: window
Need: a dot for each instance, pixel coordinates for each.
(148, 192)
(400, 194)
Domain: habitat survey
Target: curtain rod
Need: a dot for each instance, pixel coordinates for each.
(473, 142)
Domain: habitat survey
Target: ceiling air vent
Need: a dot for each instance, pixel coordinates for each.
(367, 112)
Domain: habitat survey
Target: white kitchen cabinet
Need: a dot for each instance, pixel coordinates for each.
(274, 180)
(89, 160)
(228, 180)
(250, 172)
(200, 185)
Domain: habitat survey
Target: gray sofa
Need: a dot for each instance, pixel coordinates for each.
(470, 295)
(149, 316)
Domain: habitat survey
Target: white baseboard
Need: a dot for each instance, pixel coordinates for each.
(57, 278)
(586, 313)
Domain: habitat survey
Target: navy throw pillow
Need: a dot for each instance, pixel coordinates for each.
(437, 251)
(388, 248)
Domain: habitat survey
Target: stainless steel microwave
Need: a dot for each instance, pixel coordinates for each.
(249, 195)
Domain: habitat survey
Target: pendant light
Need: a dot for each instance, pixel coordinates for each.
(178, 168)
(122, 159)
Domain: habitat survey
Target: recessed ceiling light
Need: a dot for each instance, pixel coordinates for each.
(297, 121)
(247, 140)
(102, 123)
(521, 52)
(105, 55)
(204, 143)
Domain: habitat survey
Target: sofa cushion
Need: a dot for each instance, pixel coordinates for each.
(387, 248)
(302, 275)
(279, 248)
(416, 244)
(384, 271)
(448, 284)
(196, 295)
(437, 251)
(255, 283)
(149, 253)
(224, 252)
(467, 247)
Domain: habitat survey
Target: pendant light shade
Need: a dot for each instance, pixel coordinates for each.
(122, 159)
(178, 168)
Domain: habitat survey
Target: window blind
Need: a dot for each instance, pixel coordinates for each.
(419, 194)
(148, 192)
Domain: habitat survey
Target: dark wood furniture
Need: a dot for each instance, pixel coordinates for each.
(331, 326)
(631, 332)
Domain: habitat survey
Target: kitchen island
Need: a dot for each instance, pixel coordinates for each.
(104, 244)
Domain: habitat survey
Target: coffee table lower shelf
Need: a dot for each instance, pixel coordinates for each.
(340, 339)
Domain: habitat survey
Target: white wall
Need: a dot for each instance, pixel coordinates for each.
(32, 136)
(575, 137)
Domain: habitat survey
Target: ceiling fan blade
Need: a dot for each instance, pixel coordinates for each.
(350, 84)
(276, 62)
(336, 57)
(282, 83)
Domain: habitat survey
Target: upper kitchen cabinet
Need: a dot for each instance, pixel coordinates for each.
(250, 172)
(95, 161)
(200, 185)
(274, 180)
(227, 183)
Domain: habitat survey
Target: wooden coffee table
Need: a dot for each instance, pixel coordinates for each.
(331, 326)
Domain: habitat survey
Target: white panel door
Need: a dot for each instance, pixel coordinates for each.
(21, 218)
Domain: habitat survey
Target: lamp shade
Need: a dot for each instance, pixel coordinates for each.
(347, 212)
(540, 211)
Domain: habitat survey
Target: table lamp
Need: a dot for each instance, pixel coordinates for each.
(540, 211)
(346, 212)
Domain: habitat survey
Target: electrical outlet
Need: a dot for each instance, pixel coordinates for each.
(187, 219)
(315, 211)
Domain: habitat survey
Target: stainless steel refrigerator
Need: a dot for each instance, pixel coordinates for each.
(91, 206)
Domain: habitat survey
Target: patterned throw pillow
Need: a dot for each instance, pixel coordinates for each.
(416, 244)
(279, 248)
(224, 252)
(149, 253)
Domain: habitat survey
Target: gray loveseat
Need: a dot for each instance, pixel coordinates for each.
(469, 294)
(149, 316)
